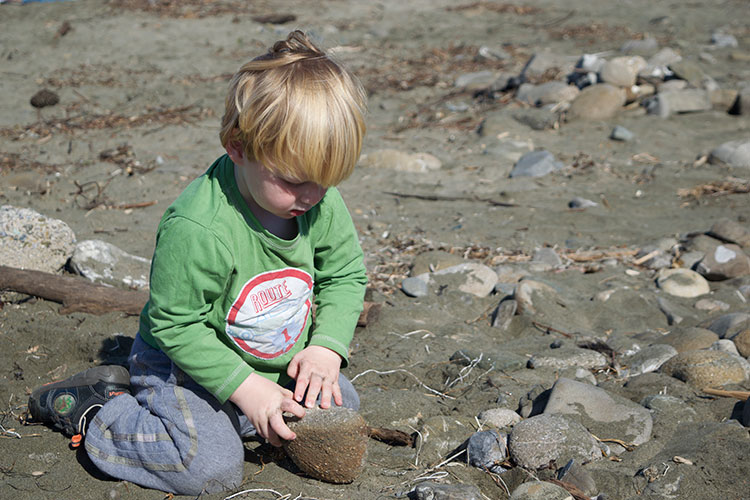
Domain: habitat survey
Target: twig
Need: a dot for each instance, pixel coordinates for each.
(550, 329)
(741, 395)
(400, 370)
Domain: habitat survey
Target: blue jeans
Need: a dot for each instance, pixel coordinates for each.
(171, 434)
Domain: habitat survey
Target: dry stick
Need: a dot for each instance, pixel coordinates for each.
(741, 395)
(435, 197)
(75, 294)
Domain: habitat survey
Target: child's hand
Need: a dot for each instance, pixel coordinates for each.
(263, 402)
(316, 370)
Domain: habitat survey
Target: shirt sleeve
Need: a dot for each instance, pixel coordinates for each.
(190, 270)
(340, 278)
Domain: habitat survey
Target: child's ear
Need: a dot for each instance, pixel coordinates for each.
(235, 151)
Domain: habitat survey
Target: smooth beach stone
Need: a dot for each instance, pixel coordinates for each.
(576, 474)
(729, 325)
(474, 278)
(537, 118)
(682, 283)
(602, 413)
(732, 153)
(705, 368)
(503, 314)
(546, 93)
(724, 262)
(540, 490)
(499, 418)
(430, 490)
(730, 231)
(578, 202)
(102, 262)
(32, 241)
(486, 450)
(566, 357)
(535, 164)
(686, 69)
(620, 133)
(742, 342)
(597, 102)
(690, 339)
(537, 440)
(725, 345)
(674, 102)
(723, 99)
(622, 71)
(649, 359)
(331, 444)
(416, 286)
(711, 305)
(723, 40)
(401, 160)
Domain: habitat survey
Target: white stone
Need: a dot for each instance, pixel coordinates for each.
(682, 283)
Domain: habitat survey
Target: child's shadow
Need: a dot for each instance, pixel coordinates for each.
(115, 350)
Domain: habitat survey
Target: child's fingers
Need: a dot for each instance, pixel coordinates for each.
(325, 395)
(279, 430)
(313, 389)
(293, 368)
(338, 398)
(292, 407)
(303, 379)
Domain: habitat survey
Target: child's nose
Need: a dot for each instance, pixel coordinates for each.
(312, 194)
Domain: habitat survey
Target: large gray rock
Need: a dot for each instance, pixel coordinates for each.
(604, 414)
(536, 441)
(546, 93)
(703, 369)
(535, 164)
(731, 231)
(727, 326)
(30, 240)
(724, 262)
(732, 153)
(622, 71)
(690, 339)
(104, 263)
(597, 102)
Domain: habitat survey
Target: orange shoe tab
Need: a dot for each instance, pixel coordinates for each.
(76, 440)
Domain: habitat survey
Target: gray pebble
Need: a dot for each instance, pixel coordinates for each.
(723, 40)
(620, 133)
(486, 450)
(579, 202)
(535, 164)
(416, 286)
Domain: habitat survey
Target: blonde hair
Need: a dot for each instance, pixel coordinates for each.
(297, 112)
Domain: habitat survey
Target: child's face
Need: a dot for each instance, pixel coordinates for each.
(284, 198)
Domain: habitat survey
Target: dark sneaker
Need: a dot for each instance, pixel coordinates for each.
(71, 403)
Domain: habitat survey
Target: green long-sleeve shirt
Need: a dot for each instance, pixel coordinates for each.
(229, 298)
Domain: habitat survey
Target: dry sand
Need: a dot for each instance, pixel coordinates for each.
(150, 77)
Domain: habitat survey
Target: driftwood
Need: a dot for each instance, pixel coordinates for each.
(392, 437)
(80, 295)
(75, 294)
(741, 395)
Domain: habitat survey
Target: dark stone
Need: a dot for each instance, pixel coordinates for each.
(44, 98)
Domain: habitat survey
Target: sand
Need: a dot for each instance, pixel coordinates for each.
(149, 78)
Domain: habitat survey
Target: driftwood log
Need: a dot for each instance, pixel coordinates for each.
(80, 295)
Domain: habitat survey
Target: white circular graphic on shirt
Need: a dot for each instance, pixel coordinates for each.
(270, 313)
